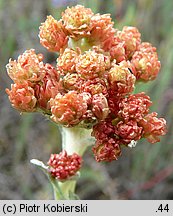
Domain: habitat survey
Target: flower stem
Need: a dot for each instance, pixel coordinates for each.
(76, 140)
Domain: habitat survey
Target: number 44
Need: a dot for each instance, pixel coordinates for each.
(163, 208)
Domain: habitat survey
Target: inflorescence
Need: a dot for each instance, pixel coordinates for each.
(63, 166)
(93, 82)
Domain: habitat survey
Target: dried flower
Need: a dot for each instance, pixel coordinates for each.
(106, 151)
(146, 62)
(153, 127)
(52, 34)
(134, 106)
(28, 67)
(121, 80)
(92, 64)
(68, 109)
(104, 130)
(66, 62)
(63, 166)
(128, 131)
(102, 30)
(22, 97)
(77, 21)
(131, 38)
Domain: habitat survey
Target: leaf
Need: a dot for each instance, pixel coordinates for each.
(39, 164)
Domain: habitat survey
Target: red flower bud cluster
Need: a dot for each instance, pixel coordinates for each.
(93, 82)
(63, 166)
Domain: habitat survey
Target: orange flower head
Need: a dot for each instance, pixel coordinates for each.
(77, 20)
(52, 34)
(22, 97)
(102, 30)
(66, 62)
(72, 81)
(131, 38)
(94, 86)
(69, 109)
(146, 62)
(147, 48)
(91, 64)
(121, 79)
(28, 67)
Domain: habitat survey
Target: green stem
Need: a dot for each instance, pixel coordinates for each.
(67, 188)
(58, 194)
(76, 140)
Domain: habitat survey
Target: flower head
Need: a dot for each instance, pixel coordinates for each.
(121, 80)
(94, 86)
(153, 127)
(22, 97)
(66, 62)
(104, 130)
(68, 109)
(147, 48)
(106, 151)
(63, 166)
(146, 62)
(52, 34)
(128, 131)
(113, 102)
(131, 38)
(92, 64)
(134, 106)
(77, 20)
(28, 67)
(102, 30)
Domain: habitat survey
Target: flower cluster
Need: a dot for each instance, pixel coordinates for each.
(93, 82)
(35, 83)
(63, 166)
